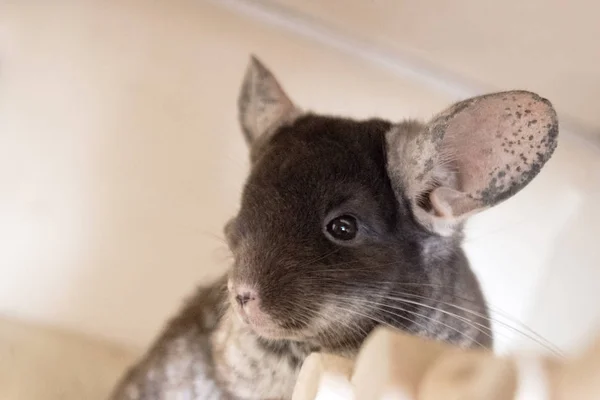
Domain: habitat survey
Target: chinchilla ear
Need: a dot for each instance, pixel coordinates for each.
(470, 157)
(263, 106)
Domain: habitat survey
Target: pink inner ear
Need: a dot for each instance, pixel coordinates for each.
(497, 143)
(450, 203)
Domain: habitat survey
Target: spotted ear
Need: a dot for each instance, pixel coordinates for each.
(263, 105)
(472, 156)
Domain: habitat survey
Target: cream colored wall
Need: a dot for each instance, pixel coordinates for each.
(550, 46)
(120, 159)
(121, 154)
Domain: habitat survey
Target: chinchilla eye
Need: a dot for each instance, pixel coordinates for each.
(343, 228)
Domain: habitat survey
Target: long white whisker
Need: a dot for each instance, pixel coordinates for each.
(521, 328)
(372, 303)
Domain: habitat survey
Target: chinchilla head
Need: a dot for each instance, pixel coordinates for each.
(338, 216)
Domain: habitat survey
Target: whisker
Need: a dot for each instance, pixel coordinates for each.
(371, 303)
(524, 330)
(327, 335)
(372, 318)
(534, 337)
(521, 328)
(319, 258)
(545, 344)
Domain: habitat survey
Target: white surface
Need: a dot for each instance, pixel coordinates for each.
(537, 254)
(121, 158)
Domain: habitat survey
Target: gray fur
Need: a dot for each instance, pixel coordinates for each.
(409, 185)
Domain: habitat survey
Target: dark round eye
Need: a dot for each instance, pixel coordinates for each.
(343, 228)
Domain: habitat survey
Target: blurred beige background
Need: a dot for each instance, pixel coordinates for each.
(121, 157)
(544, 45)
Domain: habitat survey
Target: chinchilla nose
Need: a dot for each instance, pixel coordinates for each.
(244, 295)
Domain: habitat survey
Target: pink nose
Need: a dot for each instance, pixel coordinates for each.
(245, 295)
